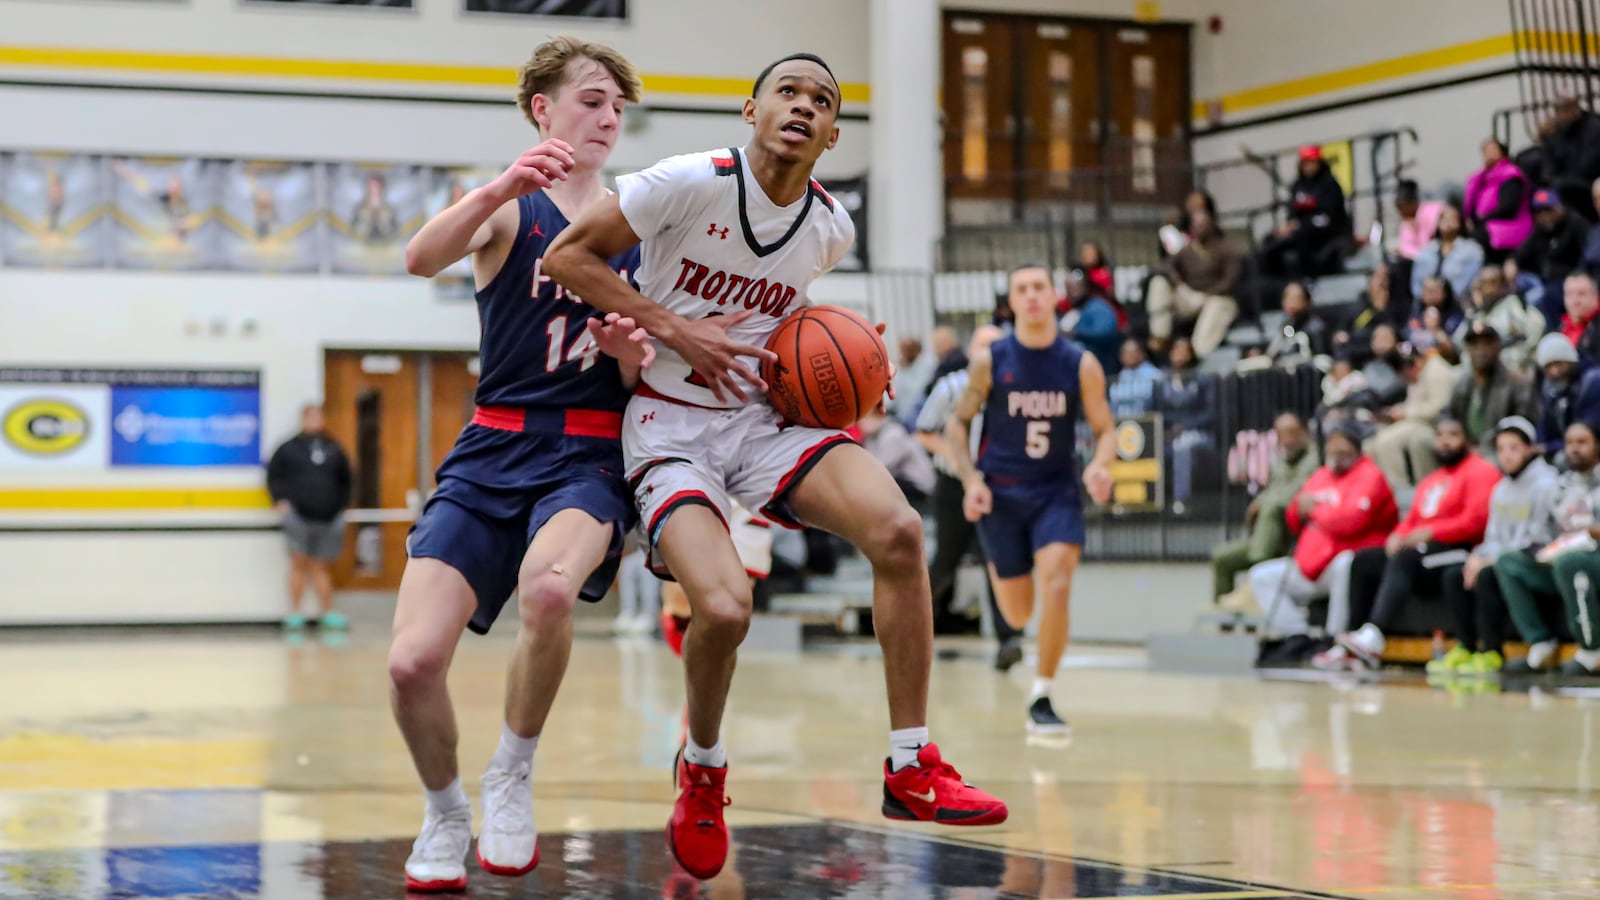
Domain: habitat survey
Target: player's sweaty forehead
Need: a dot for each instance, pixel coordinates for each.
(803, 73)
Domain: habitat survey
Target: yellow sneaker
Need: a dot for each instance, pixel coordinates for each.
(1452, 663)
(1483, 664)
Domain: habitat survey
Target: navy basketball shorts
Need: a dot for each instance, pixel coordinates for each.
(499, 487)
(1025, 519)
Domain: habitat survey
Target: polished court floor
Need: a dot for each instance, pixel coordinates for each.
(244, 764)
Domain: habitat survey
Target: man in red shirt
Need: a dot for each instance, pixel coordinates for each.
(1448, 515)
(1344, 507)
(1582, 301)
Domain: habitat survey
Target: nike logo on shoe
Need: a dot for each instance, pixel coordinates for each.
(929, 797)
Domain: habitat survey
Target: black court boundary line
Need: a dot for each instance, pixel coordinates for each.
(284, 93)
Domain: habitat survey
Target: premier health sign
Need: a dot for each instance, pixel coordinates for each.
(96, 418)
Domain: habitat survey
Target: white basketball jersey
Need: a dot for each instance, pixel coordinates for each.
(715, 244)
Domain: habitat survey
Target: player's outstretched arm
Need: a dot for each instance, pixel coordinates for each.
(957, 437)
(577, 261)
(1097, 411)
(486, 215)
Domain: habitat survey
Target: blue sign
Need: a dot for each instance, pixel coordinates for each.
(185, 426)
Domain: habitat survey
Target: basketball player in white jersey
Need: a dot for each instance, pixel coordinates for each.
(732, 241)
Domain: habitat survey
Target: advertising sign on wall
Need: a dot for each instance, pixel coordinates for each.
(96, 418)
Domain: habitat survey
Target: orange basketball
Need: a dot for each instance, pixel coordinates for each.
(832, 367)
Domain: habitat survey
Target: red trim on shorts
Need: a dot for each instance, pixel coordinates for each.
(650, 393)
(811, 457)
(759, 576)
(574, 422)
(681, 498)
(759, 523)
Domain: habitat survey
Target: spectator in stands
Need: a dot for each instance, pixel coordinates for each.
(1418, 219)
(1180, 226)
(1382, 371)
(1489, 391)
(913, 377)
(1269, 531)
(1570, 151)
(1435, 318)
(1450, 254)
(1404, 445)
(1188, 403)
(954, 537)
(1568, 568)
(1302, 336)
(1197, 287)
(1132, 392)
(947, 350)
(1493, 303)
(1345, 507)
(1570, 394)
(1376, 309)
(1496, 204)
(1555, 248)
(310, 483)
(1591, 243)
(1316, 237)
(1091, 320)
(1447, 519)
(1519, 516)
(1097, 271)
(1340, 386)
(1582, 301)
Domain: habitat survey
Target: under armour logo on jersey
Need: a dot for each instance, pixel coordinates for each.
(647, 417)
(719, 233)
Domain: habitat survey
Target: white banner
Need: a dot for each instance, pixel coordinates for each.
(49, 426)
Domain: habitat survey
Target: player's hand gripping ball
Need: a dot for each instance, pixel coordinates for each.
(832, 367)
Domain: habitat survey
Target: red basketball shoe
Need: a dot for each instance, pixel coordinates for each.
(934, 792)
(672, 631)
(696, 833)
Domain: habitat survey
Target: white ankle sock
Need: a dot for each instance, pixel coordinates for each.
(713, 757)
(903, 746)
(1539, 654)
(1041, 688)
(514, 749)
(448, 799)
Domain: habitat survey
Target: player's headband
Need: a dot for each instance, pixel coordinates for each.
(808, 57)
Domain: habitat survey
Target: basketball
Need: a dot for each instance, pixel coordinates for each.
(832, 367)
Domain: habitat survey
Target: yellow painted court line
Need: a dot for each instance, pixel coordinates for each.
(350, 70)
(54, 499)
(1498, 886)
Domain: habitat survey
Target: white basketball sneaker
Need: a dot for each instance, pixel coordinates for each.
(509, 843)
(438, 858)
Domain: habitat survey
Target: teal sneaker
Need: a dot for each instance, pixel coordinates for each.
(335, 620)
(294, 621)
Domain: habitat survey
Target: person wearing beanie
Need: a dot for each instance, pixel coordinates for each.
(1570, 393)
(1519, 521)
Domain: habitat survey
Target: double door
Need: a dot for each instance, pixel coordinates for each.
(1054, 108)
(396, 414)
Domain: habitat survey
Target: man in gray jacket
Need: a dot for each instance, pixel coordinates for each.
(1519, 520)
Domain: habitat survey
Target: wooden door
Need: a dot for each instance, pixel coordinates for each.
(1060, 105)
(1147, 73)
(979, 105)
(371, 401)
(452, 381)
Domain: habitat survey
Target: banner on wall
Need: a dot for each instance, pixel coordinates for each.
(588, 9)
(162, 213)
(53, 210)
(372, 212)
(98, 418)
(1136, 476)
(271, 221)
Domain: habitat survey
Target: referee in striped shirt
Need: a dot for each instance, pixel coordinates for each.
(954, 535)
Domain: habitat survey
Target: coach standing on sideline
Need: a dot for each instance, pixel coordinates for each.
(309, 480)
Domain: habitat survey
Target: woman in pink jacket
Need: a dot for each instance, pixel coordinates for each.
(1497, 204)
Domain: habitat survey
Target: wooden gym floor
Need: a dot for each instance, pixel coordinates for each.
(244, 764)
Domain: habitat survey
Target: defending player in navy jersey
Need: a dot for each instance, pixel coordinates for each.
(530, 502)
(1023, 489)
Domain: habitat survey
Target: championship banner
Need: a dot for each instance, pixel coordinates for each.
(1136, 474)
(448, 187)
(162, 213)
(97, 418)
(270, 218)
(372, 212)
(588, 9)
(52, 210)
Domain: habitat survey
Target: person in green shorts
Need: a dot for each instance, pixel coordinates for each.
(1568, 569)
(1269, 533)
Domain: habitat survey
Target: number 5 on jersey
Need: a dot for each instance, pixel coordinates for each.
(583, 348)
(1038, 445)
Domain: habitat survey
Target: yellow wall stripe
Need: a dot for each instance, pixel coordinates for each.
(350, 70)
(115, 498)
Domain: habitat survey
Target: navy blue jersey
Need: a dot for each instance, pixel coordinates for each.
(1030, 419)
(535, 351)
